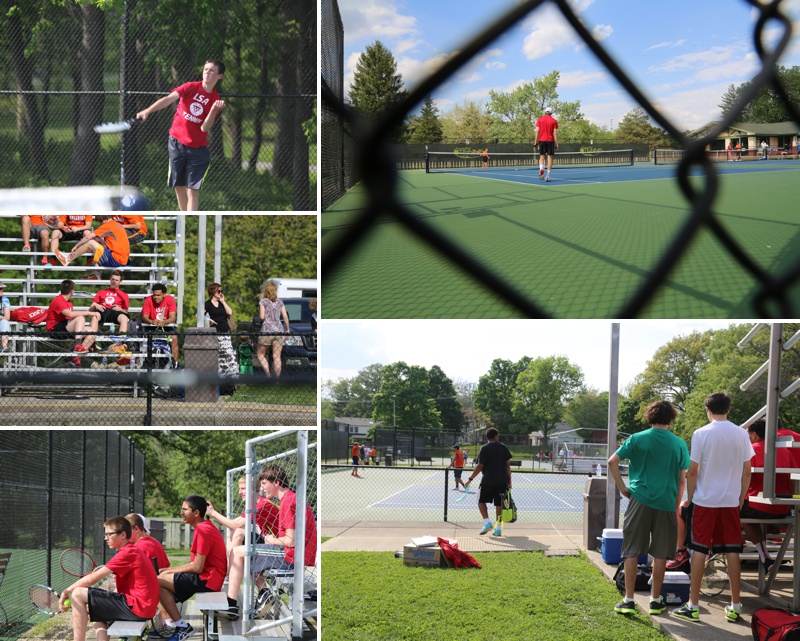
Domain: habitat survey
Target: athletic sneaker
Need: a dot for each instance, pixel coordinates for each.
(687, 613)
(541, 173)
(62, 258)
(547, 180)
(486, 527)
(767, 563)
(731, 614)
(232, 613)
(26, 248)
(680, 558)
(625, 607)
(657, 606)
(498, 530)
(78, 348)
(182, 633)
(93, 276)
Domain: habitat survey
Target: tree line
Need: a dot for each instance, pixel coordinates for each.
(535, 394)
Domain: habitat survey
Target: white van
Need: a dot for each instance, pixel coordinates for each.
(294, 287)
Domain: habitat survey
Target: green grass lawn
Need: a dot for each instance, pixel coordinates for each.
(372, 596)
(304, 395)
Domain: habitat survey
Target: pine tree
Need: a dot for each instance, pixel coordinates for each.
(426, 128)
(376, 84)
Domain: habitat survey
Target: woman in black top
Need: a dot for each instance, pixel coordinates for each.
(219, 311)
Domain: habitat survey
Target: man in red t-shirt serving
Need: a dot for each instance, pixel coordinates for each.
(547, 140)
(198, 107)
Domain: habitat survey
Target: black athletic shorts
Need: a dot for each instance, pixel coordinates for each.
(105, 607)
(71, 235)
(750, 512)
(547, 147)
(187, 165)
(135, 236)
(457, 472)
(188, 584)
(111, 316)
(60, 333)
(492, 493)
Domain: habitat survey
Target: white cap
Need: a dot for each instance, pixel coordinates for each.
(144, 521)
(548, 110)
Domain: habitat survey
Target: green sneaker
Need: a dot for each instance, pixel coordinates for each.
(731, 614)
(625, 607)
(687, 613)
(657, 606)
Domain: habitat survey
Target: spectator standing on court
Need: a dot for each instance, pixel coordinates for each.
(63, 322)
(764, 149)
(199, 105)
(547, 140)
(5, 317)
(738, 151)
(74, 228)
(457, 463)
(271, 310)
(658, 461)
(783, 485)
(485, 158)
(135, 227)
(112, 303)
(355, 453)
(219, 312)
(36, 226)
(730, 151)
(719, 475)
(493, 463)
(136, 598)
(205, 571)
(140, 537)
(108, 246)
(160, 313)
(373, 454)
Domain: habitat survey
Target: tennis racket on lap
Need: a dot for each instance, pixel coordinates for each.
(77, 562)
(53, 222)
(44, 599)
(115, 127)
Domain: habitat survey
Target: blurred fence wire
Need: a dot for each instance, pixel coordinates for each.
(66, 67)
(372, 160)
(56, 488)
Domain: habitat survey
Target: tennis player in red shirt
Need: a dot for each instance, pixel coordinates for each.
(547, 141)
(136, 598)
(198, 107)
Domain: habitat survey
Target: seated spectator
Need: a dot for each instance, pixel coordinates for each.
(64, 322)
(793, 451)
(136, 598)
(135, 227)
(112, 303)
(73, 228)
(140, 537)
(160, 313)
(35, 225)
(278, 549)
(108, 245)
(205, 571)
(5, 317)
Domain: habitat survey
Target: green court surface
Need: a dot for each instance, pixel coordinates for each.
(577, 249)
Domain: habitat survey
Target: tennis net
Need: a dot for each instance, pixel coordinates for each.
(673, 156)
(466, 162)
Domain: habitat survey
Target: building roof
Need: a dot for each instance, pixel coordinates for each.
(788, 128)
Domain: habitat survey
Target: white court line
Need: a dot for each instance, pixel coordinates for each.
(390, 496)
(562, 500)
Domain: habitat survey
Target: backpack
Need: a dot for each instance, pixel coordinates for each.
(459, 558)
(643, 574)
(30, 315)
(509, 508)
(772, 624)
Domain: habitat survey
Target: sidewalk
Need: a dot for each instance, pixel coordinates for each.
(372, 536)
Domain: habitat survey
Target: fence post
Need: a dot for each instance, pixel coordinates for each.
(446, 485)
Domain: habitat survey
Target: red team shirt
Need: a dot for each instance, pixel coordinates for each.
(267, 516)
(54, 312)
(546, 125)
(783, 483)
(209, 542)
(193, 107)
(136, 579)
(794, 451)
(153, 550)
(162, 312)
(288, 516)
(110, 298)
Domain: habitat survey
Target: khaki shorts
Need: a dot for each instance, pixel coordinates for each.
(270, 340)
(649, 531)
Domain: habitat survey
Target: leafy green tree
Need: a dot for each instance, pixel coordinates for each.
(468, 123)
(588, 408)
(353, 396)
(405, 392)
(542, 392)
(377, 86)
(443, 391)
(630, 412)
(635, 127)
(426, 128)
(495, 393)
(767, 106)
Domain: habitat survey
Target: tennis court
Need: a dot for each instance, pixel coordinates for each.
(578, 247)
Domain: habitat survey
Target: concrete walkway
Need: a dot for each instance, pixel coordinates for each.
(556, 540)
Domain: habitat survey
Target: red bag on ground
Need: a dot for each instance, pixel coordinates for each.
(772, 624)
(459, 558)
(30, 315)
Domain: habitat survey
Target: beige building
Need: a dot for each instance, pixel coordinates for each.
(783, 138)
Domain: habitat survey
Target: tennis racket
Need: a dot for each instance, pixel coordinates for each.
(44, 599)
(77, 562)
(466, 491)
(52, 222)
(115, 127)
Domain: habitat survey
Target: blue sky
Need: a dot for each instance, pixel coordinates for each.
(683, 54)
(465, 349)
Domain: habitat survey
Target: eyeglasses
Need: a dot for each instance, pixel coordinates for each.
(108, 535)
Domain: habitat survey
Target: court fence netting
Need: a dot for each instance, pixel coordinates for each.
(375, 164)
(69, 67)
(131, 380)
(292, 600)
(56, 488)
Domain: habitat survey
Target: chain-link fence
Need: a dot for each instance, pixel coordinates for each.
(376, 162)
(134, 380)
(56, 489)
(275, 592)
(67, 67)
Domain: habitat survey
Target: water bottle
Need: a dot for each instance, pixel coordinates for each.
(598, 470)
(208, 320)
(105, 361)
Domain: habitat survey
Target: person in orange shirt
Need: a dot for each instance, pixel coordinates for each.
(457, 463)
(109, 245)
(40, 230)
(356, 456)
(134, 226)
(73, 228)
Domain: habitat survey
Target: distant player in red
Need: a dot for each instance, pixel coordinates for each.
(136, 598)
(198, 107)
(64, 322)
(134, 226)
(547, 140)
(112, 303)
(160, 312)
(356, 457)
(485, 158)
(457, 462)
(108, 245)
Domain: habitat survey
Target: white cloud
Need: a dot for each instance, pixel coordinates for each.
(495, 66)
(571, 79)
(602, 31)
(407, 45)
(550, 32)
(667, 45)
(414, 71)
(375, 19)
(697, 59)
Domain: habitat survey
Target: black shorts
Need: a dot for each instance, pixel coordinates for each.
(105, 607)
(492, 493)
(60, 333)
(71, 235)
(457, 473)
(750, 512)
(188, 584)
(187, 165)
(111, 316)
(135, 236)
(547, 147)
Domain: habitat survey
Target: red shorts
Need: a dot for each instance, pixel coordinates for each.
(715, 529)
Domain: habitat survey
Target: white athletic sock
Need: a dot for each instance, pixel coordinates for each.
(487, 521)
(627, 600)
(761, 547)
(180, 623)
(541, 167)
(737, 606)
(547, 173)
(694, 606)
